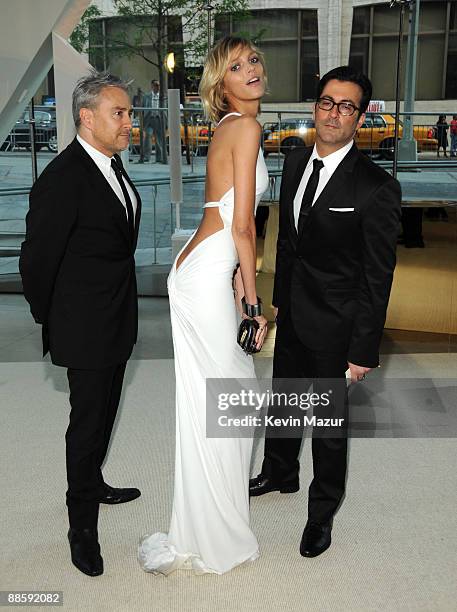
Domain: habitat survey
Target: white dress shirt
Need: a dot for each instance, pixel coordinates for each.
(331, 163)
(103, 163)
(155, 99)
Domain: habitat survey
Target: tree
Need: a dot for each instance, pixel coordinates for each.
(169, 25)
(79, 38)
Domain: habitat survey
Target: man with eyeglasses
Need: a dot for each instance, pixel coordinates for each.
(338, 225)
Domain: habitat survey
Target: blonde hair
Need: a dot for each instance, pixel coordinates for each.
(211, 87)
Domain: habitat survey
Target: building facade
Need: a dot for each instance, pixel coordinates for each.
(303, 39)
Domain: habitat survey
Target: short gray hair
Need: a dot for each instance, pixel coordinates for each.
(89, 87)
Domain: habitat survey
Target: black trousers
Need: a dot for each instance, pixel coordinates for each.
(94, 399)
(293, 360)
(411, 221)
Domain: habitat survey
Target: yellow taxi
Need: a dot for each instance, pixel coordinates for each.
(194, 134)
(375, 136)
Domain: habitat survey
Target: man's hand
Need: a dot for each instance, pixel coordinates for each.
(357, 372)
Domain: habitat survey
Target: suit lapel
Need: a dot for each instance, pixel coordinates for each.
(105, 190)
(138, 208)
(335, 185)
(138, 201)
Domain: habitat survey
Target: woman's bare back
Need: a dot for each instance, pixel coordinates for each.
(219, 180)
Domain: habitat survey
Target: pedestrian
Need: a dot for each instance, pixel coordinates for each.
(441, 133)
(153, 125)
(454, 136)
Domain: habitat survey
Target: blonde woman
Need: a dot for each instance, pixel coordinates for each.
(209, 530)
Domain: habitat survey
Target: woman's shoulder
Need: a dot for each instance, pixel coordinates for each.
(244, 129)
(247, 122)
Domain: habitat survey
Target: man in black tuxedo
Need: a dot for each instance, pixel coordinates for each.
(338, 227)
(78, 271)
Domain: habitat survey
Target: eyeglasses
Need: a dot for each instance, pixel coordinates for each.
(344, 108)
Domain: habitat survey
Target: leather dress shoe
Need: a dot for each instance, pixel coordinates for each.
(112, 495)
(261, 485)
(316, 539)
(85, 551)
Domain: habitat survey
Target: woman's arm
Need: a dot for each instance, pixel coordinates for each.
(246, 142)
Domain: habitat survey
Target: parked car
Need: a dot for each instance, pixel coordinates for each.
(197, 134)
(45, 132)
(375, 136)
(297, 132)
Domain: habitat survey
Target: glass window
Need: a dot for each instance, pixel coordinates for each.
(361, 20)
(96, 31)
(309, 23)
(116, 27)
(281, 60)
(451, 74)
(221, 26)
(41, 116)
(384, 66)
(174, 29)
(271, 24)
(278, 38)
(358, 55)
(386, 20)
(309, 69)
(453, 16)
(432, 16)
(430, 61)
(378, 121)
(381, 66)
(96, 58)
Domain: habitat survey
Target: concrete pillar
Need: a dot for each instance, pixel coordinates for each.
(26, 50)
(334, 28)
(69, 66)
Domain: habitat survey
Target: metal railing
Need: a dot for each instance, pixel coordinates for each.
(196, 135)
(288, 129)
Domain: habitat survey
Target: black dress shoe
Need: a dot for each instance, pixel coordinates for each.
(85, 551)
(261, 485)
(118, 496)
(316, 539)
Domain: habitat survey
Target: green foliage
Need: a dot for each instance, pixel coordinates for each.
(153, 24)
(79, 38)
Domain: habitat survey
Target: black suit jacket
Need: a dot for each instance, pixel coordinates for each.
(336, 276)
(77, 264)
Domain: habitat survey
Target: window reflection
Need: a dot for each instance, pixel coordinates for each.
(374, 48)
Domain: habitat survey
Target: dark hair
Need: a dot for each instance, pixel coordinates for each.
(351, 75)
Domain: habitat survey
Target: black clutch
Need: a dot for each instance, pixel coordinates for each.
(246, 336)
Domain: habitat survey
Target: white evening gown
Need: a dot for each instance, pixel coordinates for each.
(209, 530)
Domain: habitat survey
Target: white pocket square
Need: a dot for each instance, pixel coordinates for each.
(342, 209)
